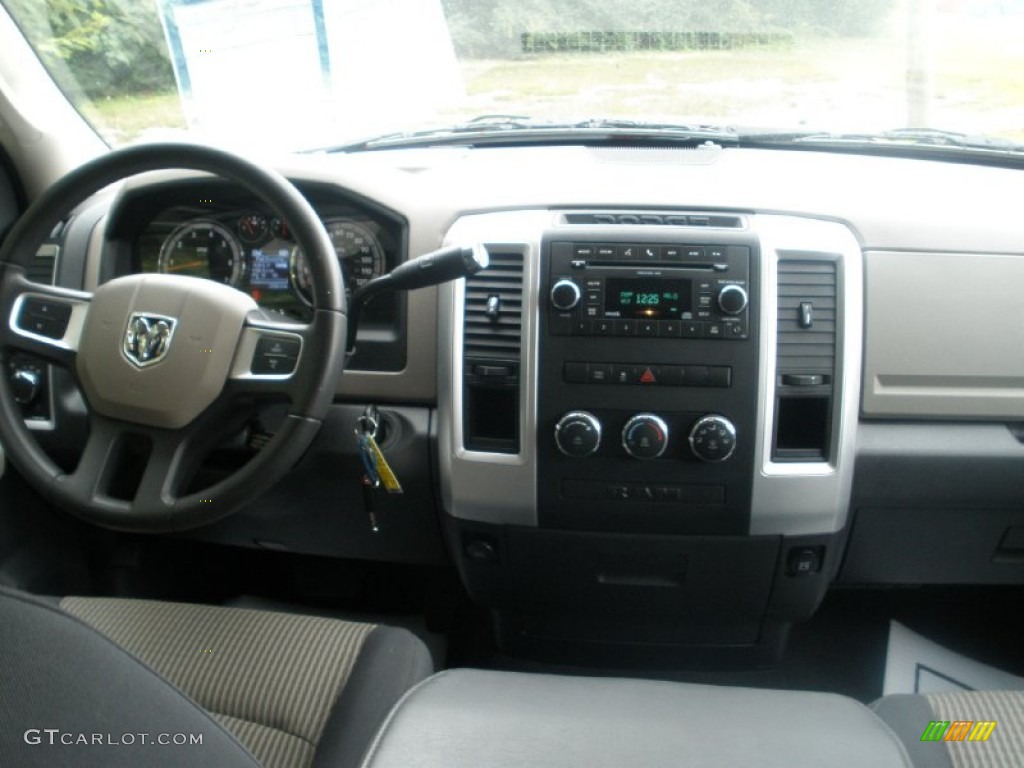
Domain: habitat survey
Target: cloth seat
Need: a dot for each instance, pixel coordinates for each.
(262, 688)
(910, 715)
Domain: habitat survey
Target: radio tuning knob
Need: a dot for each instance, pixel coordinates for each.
(578, 434)
(565, 295)
(713, 438)
(732, 299)
(645, 436)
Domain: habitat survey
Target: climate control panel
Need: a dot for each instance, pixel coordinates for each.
(711, 438)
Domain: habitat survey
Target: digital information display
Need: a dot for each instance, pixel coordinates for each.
(269, 270)
(630, 297)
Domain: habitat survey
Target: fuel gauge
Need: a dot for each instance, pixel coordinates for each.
(253, 228)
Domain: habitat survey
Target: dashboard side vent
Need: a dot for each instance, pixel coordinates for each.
(44, 264)
(807, 316)
(494, 309)
(656, 218)
(805, 359)
(492, 347)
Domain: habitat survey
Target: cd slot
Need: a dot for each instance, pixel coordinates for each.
(637, 265)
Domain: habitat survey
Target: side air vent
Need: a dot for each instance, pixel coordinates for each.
(494, 309)
(807, 316)
(44, 264)
(681, 219)
(805, 359)
(491, 355)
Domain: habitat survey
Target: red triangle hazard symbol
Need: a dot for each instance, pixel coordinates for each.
(647, 377)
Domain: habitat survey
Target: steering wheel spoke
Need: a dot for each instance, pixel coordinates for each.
(268, 363)
(44, 321)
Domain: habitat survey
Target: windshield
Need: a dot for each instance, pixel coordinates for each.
(293, 74)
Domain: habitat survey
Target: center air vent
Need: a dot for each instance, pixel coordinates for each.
(494, 309)
(491, 352)
(655, 218)
(805, 359)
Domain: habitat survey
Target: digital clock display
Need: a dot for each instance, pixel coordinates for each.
(639, 298)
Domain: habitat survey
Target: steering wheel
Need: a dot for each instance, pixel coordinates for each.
(166, 362)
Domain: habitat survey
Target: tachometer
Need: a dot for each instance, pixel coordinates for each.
(359, 253)
(203, 249)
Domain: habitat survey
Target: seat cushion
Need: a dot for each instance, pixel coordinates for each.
(272, 679)
(469, 718)
(69, 696)
(942, 730)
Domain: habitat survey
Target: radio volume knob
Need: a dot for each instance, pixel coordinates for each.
(565, 295)
(578, 434)
(732, 299)
(713, 438)
(645, 436)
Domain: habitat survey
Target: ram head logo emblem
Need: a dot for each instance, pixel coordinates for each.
(148, 338)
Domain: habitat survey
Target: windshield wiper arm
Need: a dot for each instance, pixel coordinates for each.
(897, 137)
(495, 130)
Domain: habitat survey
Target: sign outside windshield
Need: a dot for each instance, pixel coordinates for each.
(287, 71)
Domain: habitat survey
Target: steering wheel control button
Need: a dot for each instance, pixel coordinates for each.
(44, 318)
(565, 295)
(732, 299)
(645, 436)
(275, 355)
(713, 438)
(578, 434)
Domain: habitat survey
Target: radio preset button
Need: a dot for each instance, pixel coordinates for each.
(625, 328)
(670, 329)
(601, 328)
(692, 330)
(647, 328)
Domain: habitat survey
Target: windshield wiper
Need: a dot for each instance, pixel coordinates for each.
(899, 138)
(499, 130)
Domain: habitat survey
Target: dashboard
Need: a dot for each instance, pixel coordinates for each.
(693, 389)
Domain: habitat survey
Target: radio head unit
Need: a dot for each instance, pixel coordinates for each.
(651, 290)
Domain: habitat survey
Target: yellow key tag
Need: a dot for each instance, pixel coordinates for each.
(387, 476)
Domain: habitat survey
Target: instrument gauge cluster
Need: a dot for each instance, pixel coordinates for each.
(254, 251)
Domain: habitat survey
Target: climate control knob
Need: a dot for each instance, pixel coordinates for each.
(565, 295)
(578, 434)
(732, 299)
(645, 436)
(713, 438)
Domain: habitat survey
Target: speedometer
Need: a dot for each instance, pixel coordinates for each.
(359, 253)
(203, 249)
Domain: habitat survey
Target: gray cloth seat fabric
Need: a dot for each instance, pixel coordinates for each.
(910, 715)
(264, 688)
(470, 718)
